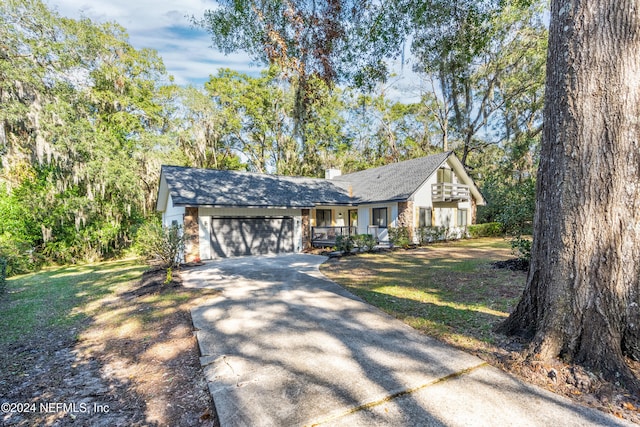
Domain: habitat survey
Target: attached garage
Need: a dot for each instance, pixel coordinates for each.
(236, 236)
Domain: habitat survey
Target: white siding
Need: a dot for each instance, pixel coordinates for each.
(444, 215)
(204, 233)
(364, 218)
(172, 213)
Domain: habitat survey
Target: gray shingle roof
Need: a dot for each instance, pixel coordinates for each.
(211, 187)
(392, 182)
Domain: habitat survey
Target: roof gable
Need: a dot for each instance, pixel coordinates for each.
(395, 181)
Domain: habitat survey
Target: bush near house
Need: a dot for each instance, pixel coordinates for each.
(489, 229)
(399, 236)
(161, 244)
(432, 234)
(344, 244)
(365, 242)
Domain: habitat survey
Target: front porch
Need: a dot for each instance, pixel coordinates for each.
(322, 237)
(326, 236)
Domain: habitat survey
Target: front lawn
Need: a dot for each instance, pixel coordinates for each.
(448, 290)
(452, 292)
(112, 343)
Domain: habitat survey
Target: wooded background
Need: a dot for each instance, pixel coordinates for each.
(87, 120)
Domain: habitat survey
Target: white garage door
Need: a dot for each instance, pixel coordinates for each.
(232, 236)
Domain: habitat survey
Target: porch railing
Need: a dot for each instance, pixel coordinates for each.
(447, 192)
(326, 236)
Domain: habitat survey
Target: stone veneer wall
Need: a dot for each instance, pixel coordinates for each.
(405, 216)
(192, 249)
(306, 229)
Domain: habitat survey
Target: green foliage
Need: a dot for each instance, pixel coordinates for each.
(519, 207)
(80, 136)
(365, 242)
(483, 64)
(3, 275)
(513, 205)
(521, 247)
(399, 236)
(158, 243)
(87, 120)
(344, 244)
(489, 229)
(432, 234)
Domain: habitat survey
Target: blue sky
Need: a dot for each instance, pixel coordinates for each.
(165, 27)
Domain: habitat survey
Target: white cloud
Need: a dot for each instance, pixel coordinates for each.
(185, 50)
(166, 27)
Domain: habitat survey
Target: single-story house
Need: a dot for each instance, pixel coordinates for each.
(231, 213)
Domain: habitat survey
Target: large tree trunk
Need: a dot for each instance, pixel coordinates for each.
(582, 294)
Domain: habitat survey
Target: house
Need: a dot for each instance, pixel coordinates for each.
(230, 213)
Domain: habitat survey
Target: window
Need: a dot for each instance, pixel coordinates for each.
(462, 217)
(323, 217)
(445, 175)
(379, 217)
(425, 218)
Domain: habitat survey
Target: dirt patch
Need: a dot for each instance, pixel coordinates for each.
(134, 362)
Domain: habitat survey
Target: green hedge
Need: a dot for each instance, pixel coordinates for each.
(489, 229)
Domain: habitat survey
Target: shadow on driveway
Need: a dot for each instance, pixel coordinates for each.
(284, 346)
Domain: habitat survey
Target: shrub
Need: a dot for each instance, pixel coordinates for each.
(489, 229)
(365, 242)
(399, 236)
(521, 247)
(432, 234)
(165, 244)
(344, 244)
(18, 256)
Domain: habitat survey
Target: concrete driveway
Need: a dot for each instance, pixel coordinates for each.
(284, 346)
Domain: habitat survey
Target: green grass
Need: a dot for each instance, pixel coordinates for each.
(54, 298)
(448, 290)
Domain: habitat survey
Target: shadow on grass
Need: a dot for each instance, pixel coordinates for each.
(436, 319)
(454, 298)
(69, 336)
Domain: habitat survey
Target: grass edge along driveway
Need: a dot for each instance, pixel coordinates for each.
(448, 290)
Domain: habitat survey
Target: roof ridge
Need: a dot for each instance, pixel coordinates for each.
(260, 174)
(445, 154)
